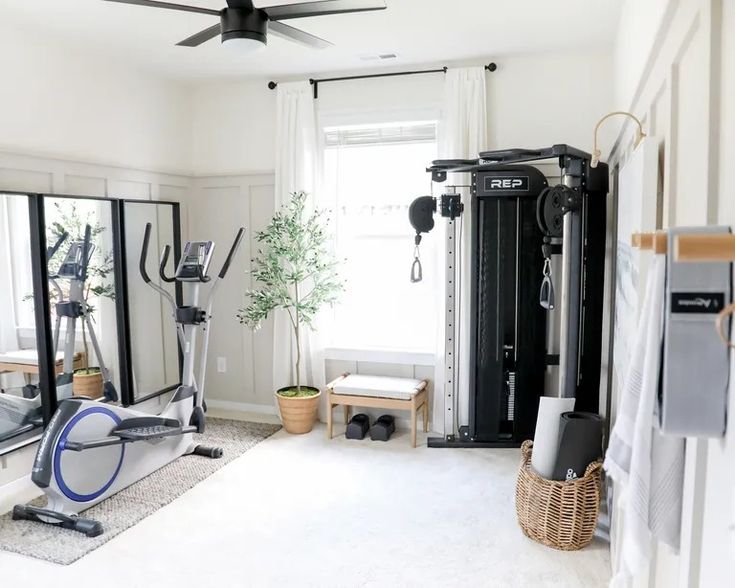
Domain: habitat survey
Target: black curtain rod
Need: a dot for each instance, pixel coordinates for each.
(315, 82)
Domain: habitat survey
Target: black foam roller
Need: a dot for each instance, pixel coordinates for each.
(580, 443)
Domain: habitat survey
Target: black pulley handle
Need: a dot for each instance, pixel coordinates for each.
(546, 296)
(417, 272)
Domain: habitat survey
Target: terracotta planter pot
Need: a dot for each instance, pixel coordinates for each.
(88, 385)
(298, 414)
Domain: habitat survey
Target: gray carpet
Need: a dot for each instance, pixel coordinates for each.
(130, 506)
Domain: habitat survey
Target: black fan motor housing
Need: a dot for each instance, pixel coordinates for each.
(244, 24)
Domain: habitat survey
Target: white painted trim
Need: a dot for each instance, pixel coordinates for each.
(241, 406)
(61, 159)
(18, 491)
(243, 173)
(379, 356)
(651, 58)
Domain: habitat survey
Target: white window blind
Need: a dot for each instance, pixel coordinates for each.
(400, 133)
(374, 173)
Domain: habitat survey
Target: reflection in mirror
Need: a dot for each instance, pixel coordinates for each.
(154, 355)
(20, 398)
(82, 289)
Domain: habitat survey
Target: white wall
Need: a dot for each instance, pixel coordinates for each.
(72, 123)
(635, 41)
(718, 527)
(533, 100)
(85, 110)
(684, 91)
(62, 103)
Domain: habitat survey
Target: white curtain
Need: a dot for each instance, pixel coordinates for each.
(297, 164)
(462, 135)
(9, 339)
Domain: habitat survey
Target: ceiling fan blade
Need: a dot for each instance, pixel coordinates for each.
(201, 36)
(322, 8)
(170, 6)
(291, 34)
(239, 3)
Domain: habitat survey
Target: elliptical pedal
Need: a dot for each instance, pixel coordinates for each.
(88, 527)
(147, 433)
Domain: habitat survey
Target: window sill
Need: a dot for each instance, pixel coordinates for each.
(379, 356)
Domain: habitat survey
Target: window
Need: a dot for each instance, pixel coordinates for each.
(373, 173)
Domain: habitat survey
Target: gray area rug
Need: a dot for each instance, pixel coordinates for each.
(130, 506)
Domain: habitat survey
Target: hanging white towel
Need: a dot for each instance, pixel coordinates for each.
(647, 466)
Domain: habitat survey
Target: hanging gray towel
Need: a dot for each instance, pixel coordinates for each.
(693, 396)
(646, 465)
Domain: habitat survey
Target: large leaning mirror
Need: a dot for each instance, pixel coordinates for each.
(81, 266)
(154, 350)
(21, 416)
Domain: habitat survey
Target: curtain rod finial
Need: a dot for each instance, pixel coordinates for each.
(272, 85)
(492, 66)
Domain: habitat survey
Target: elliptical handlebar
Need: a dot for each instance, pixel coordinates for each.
(231, 254)
(167, 252)
(162, 266)
(51, 251)
(144, 254)
(85, 252)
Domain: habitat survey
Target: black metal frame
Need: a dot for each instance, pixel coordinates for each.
(492, 66)
(42, 304)
(128, 394)
(593, 188)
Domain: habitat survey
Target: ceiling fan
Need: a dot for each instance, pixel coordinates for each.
(247, 27)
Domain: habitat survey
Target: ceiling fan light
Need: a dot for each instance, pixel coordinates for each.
(243, 45)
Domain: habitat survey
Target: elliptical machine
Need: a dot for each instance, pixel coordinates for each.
(74, 268)
(22, 414)
(91, 451)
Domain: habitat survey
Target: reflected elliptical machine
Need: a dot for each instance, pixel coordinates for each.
(522, 344)
(91, 450)
(74, 268)
(25, 412)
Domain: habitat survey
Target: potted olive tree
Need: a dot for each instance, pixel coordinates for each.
(296, 273)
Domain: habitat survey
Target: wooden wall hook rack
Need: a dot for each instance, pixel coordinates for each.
(708, 247)
(694, 247)
(656, 242)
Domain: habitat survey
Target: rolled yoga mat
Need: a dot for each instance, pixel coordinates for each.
(580, 443)
(546, 438)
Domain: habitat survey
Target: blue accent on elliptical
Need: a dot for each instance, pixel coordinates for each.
(61, 446)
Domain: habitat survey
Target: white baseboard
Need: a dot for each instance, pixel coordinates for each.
(242, 406)
(18, 491)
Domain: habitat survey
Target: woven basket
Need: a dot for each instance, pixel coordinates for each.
(562, 515)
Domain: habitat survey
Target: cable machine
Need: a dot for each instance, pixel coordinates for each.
(521, 230)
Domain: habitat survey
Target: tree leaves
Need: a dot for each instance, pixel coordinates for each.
(294, 267)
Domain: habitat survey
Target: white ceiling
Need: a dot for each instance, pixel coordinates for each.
(419, 31)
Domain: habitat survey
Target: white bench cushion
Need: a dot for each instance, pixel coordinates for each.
(378, 387)
(24, 356)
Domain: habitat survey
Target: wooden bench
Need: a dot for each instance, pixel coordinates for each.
(26, 361)
(378, 392)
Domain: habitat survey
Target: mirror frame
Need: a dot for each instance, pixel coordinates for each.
(42, 304)
(127, 395)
